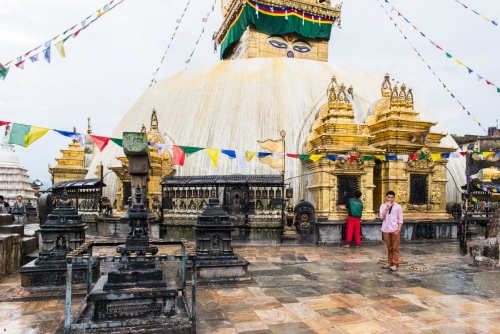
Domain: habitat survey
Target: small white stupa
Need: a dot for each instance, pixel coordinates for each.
(14, 179)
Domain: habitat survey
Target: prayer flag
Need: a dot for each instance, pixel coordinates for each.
(303, 157)
(46, 52)
(413, 156)
(100, 142)
(263, 154)
(422, 156)
(366, 157)
(20, 65)
(468, 69)
(316, 157)
(391, 157)
(162, 147)
(448, 55)
(291, 155)
(230, 153)
(250, 155)
(459, 62)
(189, 150)
(331, 157)
(490, 83)
(117, 141)
(60, 48)
(352, 158)
(73, 135)
(179, 156)
(34, 58)
(77, 32)
(479, 77)
(205, 19)
(380, 157)
(178, 21)
(277, 155)
(2, 123)
(435, 156)
(344, 156)
(213, 153)
(403, 157)
(242, 159)
(463, 153)
(3, 73)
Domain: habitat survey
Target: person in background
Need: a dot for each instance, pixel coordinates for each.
(19, 210)
(355, 210)
(4, 206)
(392, 215)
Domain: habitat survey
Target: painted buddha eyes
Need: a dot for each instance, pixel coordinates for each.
(298, 45)
(277, 44)
(302, 48)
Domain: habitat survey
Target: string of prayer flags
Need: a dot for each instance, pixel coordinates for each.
(80, 137)
(205, 20)
(178, 21)
(213, 153)
(25, 135)
(434, 73)
(33, 57)
(447, 54)
(484, 17)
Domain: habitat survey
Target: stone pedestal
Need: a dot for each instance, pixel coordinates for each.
(62, 233)
(216, 261)
(135, 295)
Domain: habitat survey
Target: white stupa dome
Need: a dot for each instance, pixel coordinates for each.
(233, 104)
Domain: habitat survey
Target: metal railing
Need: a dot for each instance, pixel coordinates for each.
(83, 255)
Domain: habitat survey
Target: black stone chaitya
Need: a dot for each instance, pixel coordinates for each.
(216, 261)
(136, 288)
(62, 233)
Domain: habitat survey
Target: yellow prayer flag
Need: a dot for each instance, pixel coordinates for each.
(7, 63)
(487, 19)
(60, 48)
(474, 119)
(250, 155)
(448, 90)
(485, 154)
(316, 157)
(213, 153)
(35, 133)
(459, 62)
(414, 27)
(435, 156)
(380, 157)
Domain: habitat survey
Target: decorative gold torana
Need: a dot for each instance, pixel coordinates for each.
(161, 165)
(397, 129)
(336, 132)
(71, 166)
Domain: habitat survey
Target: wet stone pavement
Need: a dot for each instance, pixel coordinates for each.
(320, 290)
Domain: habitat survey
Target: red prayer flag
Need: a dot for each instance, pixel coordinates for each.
(296, 156)
(100, 142)
(489, 83)
(440, 48)
(76, 33)
(20, 65)
(463, 153)
(179, 156)
(2, 123)
(413, 156)
(352, 158)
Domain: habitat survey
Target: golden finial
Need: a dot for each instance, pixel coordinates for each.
(395, 96)
(402, 96)
(143, 129)
(409, 99)
(386, 86)
(154, 121)
(89, 127)
(74, 129)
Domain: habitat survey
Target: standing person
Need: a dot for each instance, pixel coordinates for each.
(355, 210)
(392, 215)
(19, 210)
(4, 206)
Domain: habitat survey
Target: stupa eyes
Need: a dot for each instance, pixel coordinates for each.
(277, 44)
(298, 45)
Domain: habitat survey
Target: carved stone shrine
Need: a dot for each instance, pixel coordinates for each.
(62, 233)
(216, 261)
(136, 289)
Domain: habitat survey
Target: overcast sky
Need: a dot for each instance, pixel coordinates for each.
(110, 64)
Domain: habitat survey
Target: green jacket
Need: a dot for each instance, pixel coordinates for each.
(355, 207)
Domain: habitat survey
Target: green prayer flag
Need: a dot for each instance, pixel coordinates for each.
(303, 157)
(366, 157)
(498, 89)
(422, 156)
(406, 19)
(448, 55)
(18, 132)
(468, 113)
(117, 141)
(190, 149)
(3, 73)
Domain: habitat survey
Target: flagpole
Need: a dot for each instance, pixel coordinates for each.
(283, 134)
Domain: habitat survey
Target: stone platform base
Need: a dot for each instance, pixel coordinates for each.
(33, 276)
(220, 272)
(134, 310)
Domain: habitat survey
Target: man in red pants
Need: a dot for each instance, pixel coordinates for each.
(355, 207)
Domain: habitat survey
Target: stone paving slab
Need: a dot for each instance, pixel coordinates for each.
(320, 290)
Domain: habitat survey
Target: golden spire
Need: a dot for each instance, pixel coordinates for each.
(409, 99)
(402, 96)
(143, 129)
(386, 86)
(395, 96)
(154, 121)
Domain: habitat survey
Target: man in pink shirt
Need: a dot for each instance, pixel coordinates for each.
(392, 215)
